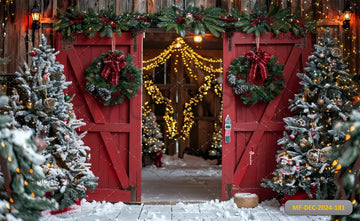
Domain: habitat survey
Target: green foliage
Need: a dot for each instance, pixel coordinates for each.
(250, 93)
(199, 20)
(326, 98)
(25, 199)
(106, 22)
(71, 21)
(215, 149)
(347, 177)
(275, 20)
(129, 80)
(43, 107)
(151, 133)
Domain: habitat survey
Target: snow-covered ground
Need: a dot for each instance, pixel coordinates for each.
(208, 211)
(190, 179)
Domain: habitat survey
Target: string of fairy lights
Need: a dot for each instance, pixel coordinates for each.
(190, 60)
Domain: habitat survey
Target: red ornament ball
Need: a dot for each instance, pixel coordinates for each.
(33, 53)
(292, 137)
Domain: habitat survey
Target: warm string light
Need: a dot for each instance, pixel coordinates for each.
(193, 102)
(190, 60)
(169, 115)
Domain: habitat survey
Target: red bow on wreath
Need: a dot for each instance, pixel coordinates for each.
(259, 60)
(113, 65)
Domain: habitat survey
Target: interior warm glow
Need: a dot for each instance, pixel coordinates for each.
(198, 38)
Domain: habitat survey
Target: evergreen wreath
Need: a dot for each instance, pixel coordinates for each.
(238, 75)
(113, 77)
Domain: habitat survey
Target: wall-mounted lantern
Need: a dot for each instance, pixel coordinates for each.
(347, 15)
(35, 15)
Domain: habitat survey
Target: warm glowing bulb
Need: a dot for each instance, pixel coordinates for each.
(198, 38)
(347, 16)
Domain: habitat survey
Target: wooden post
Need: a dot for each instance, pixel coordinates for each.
(226, 4)
(238, 4)
(117, 7)
(151, 6)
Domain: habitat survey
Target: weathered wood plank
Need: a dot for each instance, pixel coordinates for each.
(122, 6)
(103, 4)
(180, 2)
(140, 6)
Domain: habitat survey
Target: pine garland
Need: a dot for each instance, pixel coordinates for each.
(200, 20)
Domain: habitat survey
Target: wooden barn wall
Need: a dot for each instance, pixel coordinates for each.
(18, 39)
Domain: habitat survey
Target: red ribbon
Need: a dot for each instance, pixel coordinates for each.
(113, 65)
(180, 20)
(261, 18)
(197, 17)
(75, 22)
(259, 60)
(77, 19)
(108, 21)
(298, 23)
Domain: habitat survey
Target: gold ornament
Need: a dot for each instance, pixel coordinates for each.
(34, 70)
(320, 101)
(71, 114)
(49, 103)
(322, 55)
(303, 143)
(317, 157)
(336, 52)
(29, 105)
(313, 156)
(307, 92)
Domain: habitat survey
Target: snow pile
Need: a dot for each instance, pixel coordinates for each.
(210, 210)
(187, 166)
(245, 195)
(187, 161)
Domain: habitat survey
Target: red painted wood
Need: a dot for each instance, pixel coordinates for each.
(109, 195)
(257, 127)
(114, 132)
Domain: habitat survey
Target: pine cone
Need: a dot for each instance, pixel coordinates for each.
(90, 87)
(104, 93)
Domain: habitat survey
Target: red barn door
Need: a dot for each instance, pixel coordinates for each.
(114, 132)
(255, 129)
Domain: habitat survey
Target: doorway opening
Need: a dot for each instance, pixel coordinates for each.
(182, 93)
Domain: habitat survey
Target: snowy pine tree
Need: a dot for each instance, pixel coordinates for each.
(45, 108)
(347, 163)
(23, 185)
(151, 133)
(326, 97)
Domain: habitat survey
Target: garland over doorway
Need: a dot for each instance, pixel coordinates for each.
(189, 59)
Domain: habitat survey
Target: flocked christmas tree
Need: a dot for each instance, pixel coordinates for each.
(151, 133)
(22, 182)
(347, 163)
(326, 97)
(215, 149)
(45, 108)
